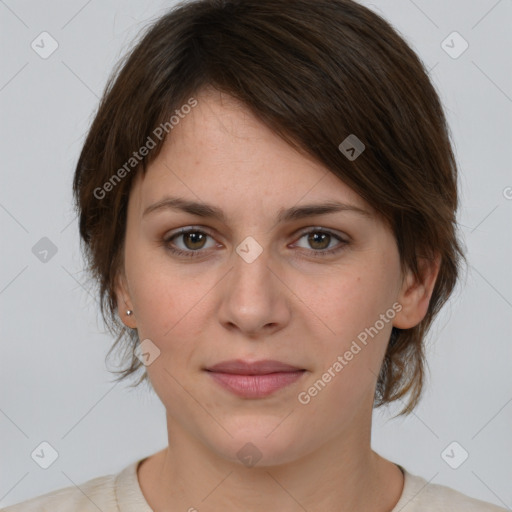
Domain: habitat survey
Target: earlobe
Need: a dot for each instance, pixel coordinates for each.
(415, 294)
(124, 305)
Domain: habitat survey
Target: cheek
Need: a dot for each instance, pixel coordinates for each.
(347, 307)
(349, 348)
(166, 308)
(170, 301)
(346, 302)
(159, 298)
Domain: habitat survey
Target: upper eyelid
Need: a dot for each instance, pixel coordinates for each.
(334, 232)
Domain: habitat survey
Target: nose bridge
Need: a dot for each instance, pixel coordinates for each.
(251, 273)
(251, 297)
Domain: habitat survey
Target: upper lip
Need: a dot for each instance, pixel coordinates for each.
(240, 367)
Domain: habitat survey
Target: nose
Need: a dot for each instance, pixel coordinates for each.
(253, 297)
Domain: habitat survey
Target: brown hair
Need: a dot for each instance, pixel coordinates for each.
(314, 71)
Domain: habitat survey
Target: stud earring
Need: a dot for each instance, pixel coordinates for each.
(129, 312)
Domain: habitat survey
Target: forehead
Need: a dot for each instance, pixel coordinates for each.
(221, 153)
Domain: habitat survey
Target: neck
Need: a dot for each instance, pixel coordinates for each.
(344, 474)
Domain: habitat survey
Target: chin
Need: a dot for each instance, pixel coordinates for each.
(261, 445)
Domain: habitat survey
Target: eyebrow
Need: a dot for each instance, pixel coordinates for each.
(291, 214)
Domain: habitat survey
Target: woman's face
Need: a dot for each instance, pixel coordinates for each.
(255, 282)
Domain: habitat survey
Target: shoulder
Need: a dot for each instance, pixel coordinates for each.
(420, 495)
(91, 496)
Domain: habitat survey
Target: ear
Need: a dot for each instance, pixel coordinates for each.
(123, 301)
(414, 295)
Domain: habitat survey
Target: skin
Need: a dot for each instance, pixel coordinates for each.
(286, 305)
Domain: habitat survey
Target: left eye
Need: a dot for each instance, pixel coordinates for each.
(320, 240)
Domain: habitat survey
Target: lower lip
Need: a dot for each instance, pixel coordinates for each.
(256, 386)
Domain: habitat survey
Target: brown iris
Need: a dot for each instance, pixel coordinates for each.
(317, 237)
(194, 240)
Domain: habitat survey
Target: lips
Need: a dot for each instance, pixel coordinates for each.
(254, 380)
(264, 367)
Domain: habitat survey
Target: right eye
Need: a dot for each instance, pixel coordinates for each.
(192, 239)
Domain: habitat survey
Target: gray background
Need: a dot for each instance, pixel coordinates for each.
(53, 380)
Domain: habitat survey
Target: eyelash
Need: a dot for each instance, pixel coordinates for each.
(197, 253)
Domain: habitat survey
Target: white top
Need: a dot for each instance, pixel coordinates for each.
(122, 493)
